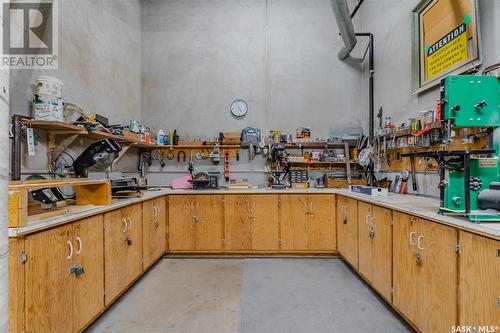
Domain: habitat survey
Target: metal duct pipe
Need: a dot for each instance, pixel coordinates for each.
(346, 29)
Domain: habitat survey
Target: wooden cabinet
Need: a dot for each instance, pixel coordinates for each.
(479, 281)
(208, 218)
(88, 297)
(122, 249)
(382, 250)
(375, 246)
(181, 225)
(251, 223)
(64, 277)
(425, 272)
(307, 223)
(364, 240)
(153, 230)
(196, 223)
(347, 229)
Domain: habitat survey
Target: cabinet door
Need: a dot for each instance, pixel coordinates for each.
(364, 240)
(88, 296)
(438, 280)
(133, 215)
(115, 254)
(479, 281)
(209, 224)
(293, 223)
(181, 225)
(321, 222)
(238, 222)
(48, 283)
(405, 272)
(382, 251)
(347, 229)
(153, 228)
(265, 222)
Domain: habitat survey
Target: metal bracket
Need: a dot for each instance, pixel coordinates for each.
(55, 151)
(120, 155)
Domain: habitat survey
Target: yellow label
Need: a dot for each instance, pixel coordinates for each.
(488, 163)
(447, 54)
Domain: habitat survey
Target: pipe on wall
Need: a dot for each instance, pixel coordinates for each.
(346, 29)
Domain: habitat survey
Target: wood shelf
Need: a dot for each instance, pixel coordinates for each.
(319, 145)
(407, 132)
(58, 127)
(87, 191)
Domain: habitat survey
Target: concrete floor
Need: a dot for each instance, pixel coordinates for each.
(249, 296)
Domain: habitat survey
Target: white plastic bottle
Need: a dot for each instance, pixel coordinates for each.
(161, 134)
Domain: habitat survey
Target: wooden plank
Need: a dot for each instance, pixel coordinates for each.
(479, 281)
(95, 194)
(18, 208)
(47, 183)
(47, 215)
(54, 125)
(17, 290)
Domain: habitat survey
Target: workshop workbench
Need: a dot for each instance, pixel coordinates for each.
(398, 244)
(425, 207)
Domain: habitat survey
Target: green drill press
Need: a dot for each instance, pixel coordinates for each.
(470, 185)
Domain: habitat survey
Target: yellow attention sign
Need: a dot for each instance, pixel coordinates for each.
(447, 52)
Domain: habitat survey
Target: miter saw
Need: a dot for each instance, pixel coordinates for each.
(99, 154)
(469, 179)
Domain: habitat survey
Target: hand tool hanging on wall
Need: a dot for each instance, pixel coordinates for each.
(226, 165)
(413, 174)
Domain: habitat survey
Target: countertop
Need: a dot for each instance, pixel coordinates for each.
(420, 206)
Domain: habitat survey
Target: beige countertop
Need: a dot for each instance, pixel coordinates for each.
(423, 207)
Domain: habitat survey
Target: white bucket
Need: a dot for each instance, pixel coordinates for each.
(47, 101)
(47, 85)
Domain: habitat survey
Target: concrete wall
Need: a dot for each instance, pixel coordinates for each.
(99, 63)
(278, 55)
(390, 22)
(100, 60)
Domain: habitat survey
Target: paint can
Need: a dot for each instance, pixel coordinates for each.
(47, 100)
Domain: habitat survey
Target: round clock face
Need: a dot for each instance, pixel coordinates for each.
(239, 108)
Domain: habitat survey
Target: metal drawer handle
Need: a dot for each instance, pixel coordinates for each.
(410, 238)
(80, 245)
(70, 247)
(124, 220)
(129, 223)
(419, 239)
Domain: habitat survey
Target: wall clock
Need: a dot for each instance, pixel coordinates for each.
(239, 108)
